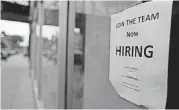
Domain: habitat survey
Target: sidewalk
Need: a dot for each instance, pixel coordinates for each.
(24, 96)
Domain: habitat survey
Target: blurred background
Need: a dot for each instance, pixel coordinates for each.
(29, 32)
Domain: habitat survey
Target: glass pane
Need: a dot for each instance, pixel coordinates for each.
(91, 53)
(49, 47)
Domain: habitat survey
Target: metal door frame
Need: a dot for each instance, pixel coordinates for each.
(66, 54)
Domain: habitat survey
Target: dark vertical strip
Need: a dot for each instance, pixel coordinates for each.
(173, 67)
(66, 65)
(83, 32)
(30, 21)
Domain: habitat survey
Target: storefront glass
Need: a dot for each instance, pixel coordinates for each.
(90, 79)
(49, 51)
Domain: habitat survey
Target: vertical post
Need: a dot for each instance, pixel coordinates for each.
(61, 54)
(35, 41)
(38, 50)
(40, 47)
(66, 54)
(70, 55)
(30, 19)
(31, 37)
(40, 22)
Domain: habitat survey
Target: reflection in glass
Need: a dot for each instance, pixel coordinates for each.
(49, 48)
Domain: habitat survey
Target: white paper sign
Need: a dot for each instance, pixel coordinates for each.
(139, 50)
